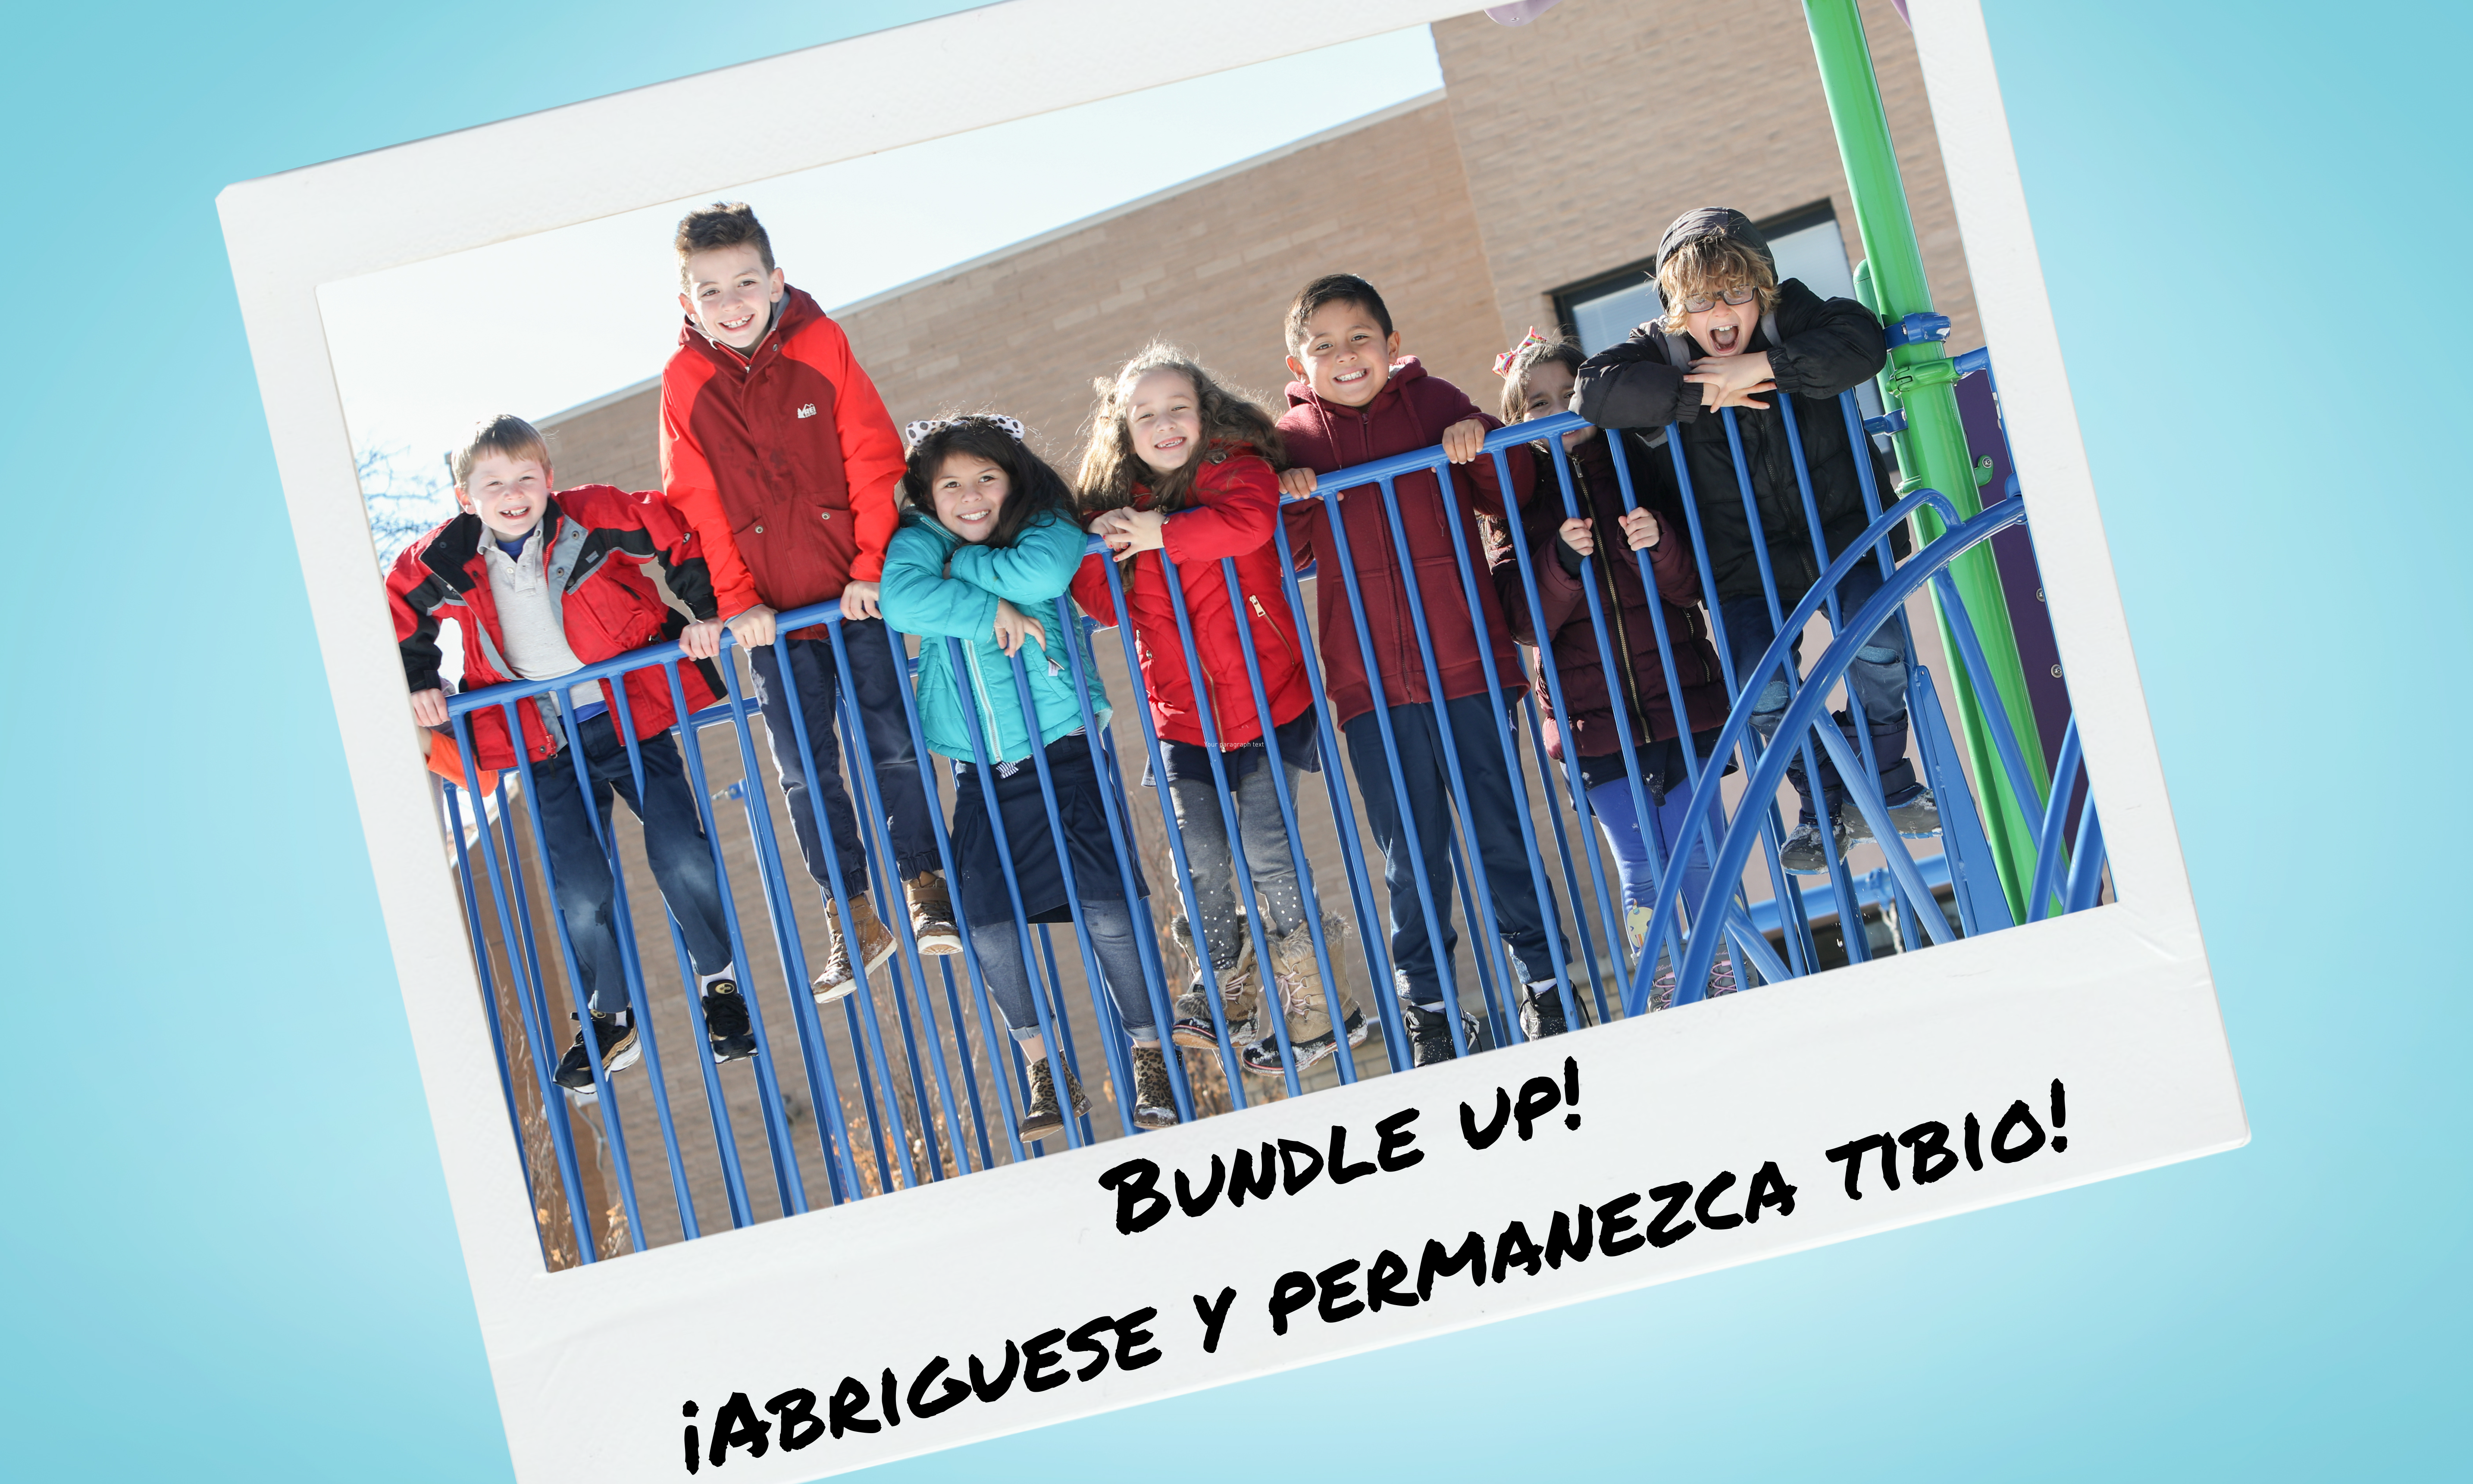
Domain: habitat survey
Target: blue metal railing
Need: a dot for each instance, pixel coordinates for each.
(914, 1085)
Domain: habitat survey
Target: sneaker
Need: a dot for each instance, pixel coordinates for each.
(1429, 1033)
(1803, 852)
(1190, 1023)
(1241, 1000)
(616, 1036)
(1541, 1009)
(1153, 1096)
(1046, 1115)
(931, 915)
(726, 1024)
(1661, 984)
(1721, 971)
(875, 946)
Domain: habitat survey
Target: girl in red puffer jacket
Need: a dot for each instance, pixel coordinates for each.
(1179, 466)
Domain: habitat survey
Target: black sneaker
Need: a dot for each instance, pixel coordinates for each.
(616, 1038)
(725, 1024)
(1429, 1033)
(1541, 1010)
(1803, 852)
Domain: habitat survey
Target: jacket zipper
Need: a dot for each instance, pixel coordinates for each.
(1283, 639)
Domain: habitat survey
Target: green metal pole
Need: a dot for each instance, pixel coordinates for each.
(1931, 452)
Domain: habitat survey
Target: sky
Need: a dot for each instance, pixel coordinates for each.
(418, 351)
(230, 1250)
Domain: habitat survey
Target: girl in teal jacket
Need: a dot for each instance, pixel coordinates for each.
(986, 547)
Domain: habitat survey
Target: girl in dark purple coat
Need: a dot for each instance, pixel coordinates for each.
(1537, 383)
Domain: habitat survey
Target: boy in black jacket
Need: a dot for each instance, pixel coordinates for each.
(1732, 334)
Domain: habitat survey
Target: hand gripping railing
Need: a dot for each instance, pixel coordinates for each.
(917, 1108)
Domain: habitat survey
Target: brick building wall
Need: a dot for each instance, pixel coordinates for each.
(1211, 266)
(1584, 132)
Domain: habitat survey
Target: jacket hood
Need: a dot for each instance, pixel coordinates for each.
(798, 307)
(1405, 369)
(1719, 221)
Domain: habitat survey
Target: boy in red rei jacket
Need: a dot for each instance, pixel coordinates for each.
(777, 448)
(1353, 403)
(542, 585)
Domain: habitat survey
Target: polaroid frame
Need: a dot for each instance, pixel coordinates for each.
(605, 1373)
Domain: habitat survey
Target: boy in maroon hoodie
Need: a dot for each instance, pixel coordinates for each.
(1354, 402)
(777, 448)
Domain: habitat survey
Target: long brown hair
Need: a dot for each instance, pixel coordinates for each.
(1111, 471)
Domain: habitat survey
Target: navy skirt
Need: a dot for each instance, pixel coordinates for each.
(1081, 821)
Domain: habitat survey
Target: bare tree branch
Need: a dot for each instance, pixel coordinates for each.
(401, 503)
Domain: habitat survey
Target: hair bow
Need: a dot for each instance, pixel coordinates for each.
(913, 432)
(1504, 362)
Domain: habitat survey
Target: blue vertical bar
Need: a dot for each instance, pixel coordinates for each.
(867, 1044)
(1111, 794)
(613, 1130)
(1207, 971)
(999, 1045)
(862, 772)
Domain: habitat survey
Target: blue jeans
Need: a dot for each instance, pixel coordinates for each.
(674, 842)
(1263, 835)
(1877, 678)
(880, 687)
(1492, 827)
(1111, 928)
(1612, 803)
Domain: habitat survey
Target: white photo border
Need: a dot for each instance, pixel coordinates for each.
(591, 1366)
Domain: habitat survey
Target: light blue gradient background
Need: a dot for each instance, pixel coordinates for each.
(225, 1250)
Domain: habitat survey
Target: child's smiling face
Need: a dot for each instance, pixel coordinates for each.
(1723, 329)
(1346, 358)
(1164, 418)
(970, 493)
(508, 494)
(731, 294)
(1550, 389)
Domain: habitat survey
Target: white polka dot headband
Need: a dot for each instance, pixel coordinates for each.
(912, 433)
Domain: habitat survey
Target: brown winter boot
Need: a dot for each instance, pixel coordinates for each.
(1154, 1097)
(1046, 1115)
(931, 915)
(874, 942)
(1310, 1037)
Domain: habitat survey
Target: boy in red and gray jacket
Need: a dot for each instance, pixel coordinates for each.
(1356, 399)
(777, 448)
(542, 585)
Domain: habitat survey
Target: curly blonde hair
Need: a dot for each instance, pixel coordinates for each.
(1710, 264)
(1111, 471)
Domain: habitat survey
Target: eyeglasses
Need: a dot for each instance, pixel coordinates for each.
(1702, 304)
